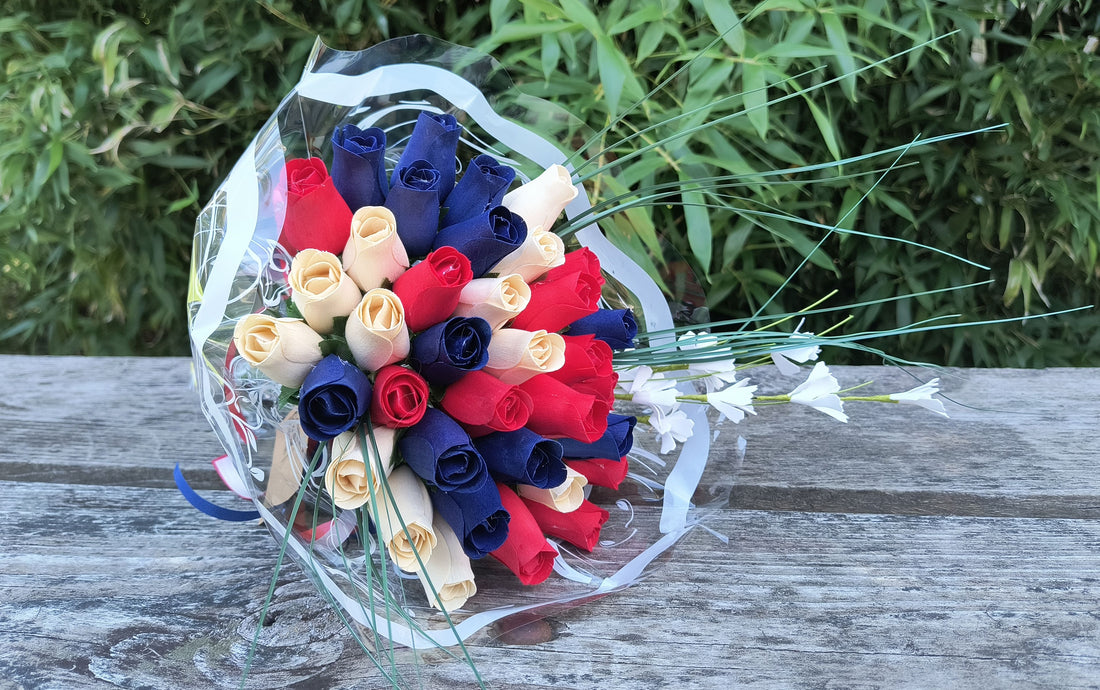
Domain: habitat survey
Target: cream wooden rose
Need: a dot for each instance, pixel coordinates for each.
(376, 330)
(448, 570)
(285, 350)
(320, 289)
(516, 355)
(564, 498)
(353, 475)
(497, 300)
(374, 252)
(410, 500)
(540, 201)
(541, 251)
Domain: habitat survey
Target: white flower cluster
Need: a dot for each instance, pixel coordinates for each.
(733, 398)
(658, 393)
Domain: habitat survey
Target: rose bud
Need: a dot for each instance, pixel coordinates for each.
(541, 251)
(481, 188)
(522, 457)
(374, 253)
(602, 387)
(285, 350)
(414, 199)
(352, 475)
(316, 215)
(583, 260)
(540, 201)
(430, 290)
(376, 331)
(585, 357)
(441, 454)
(400, 397)
(581, 527)
(526, 552)
(565, 497)
(448, 351)
(478, 518)
(497, 300)
(484, 404)
(562, 411)
(434, 139)
(558, 301)
(320, 289)
(333, 398)
(359, 165)
(406, 501)
(515, 355)
(614, 444)
(447, 577)
(601, 471)
(486, 238)
(616, 327)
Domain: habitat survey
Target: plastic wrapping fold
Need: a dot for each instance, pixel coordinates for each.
(238, 268)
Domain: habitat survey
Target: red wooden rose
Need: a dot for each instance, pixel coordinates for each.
(482, 403)
(400, 397)
(316, 215)
(563, 411)
(526, 551)
(580, 527)
(429, 290)
(601, 472)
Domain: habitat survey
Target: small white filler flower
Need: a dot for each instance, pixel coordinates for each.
(671, 428)
(783, 360)
(653, 390)
(733, 401)
(819, 392)
(922, 397)
(714, 374)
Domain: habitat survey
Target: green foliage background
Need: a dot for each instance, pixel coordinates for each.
(119, 119)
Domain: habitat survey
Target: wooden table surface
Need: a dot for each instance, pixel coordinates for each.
(899, 550)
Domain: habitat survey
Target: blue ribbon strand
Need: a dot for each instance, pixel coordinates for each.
(209, 508)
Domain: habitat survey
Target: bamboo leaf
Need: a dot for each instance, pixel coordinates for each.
(498, 12)
(838, 40)
(649, 13)
(727, 23)
(825, 126)
(1016, 275)
(578, 12)
(616, 75)
(756, 97)
(697, 219)
(651, 38)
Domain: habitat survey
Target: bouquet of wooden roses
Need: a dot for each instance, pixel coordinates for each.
(414, 361)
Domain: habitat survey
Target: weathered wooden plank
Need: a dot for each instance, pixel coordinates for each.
(82, 420)
(104, 586)
(1025, 432)
(88, 414)
(107, 578)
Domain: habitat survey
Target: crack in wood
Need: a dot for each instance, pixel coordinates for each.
(937, 503)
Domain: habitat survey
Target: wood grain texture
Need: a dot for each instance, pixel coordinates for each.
(899, 550)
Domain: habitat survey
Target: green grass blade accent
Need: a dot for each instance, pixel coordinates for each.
(710, 123)
(806, 259)
(685, 115)
(278, 566)
(384, 483)
(665, 82)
